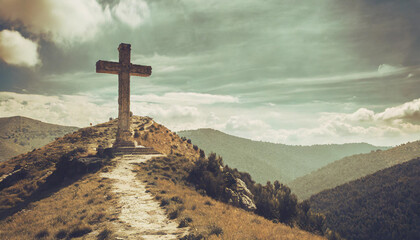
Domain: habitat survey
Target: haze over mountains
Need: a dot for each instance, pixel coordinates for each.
(270, 161)
(21, 134)
(351, 168)
(380, 206)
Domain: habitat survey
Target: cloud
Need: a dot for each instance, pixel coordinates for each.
(387, 69)
(131, 12)
(185, 98)
(391, 126)
(238, 123)
(397, 124)
(65, 22)
(17, 50)
(406, 113)
(65, 109)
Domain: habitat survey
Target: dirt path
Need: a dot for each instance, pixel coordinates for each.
(140, 216)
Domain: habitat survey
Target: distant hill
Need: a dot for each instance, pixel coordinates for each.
(21, 134)
(271, 161)
(351, 168)
(382, 206)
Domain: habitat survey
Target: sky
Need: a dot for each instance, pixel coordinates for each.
(284, 71)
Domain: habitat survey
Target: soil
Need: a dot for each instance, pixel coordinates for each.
(140, 216)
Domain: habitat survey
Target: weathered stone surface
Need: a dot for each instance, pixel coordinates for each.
(8, 179)
(239, 195)
(72, 167)
(124, 69)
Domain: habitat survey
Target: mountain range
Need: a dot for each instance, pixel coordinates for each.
(271, 161)
(353, 167)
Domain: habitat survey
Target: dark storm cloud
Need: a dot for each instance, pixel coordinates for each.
(383, 31)
(248, 41)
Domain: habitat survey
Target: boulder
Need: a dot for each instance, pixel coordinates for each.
(239, 195)
(73, 168)
(8, 179)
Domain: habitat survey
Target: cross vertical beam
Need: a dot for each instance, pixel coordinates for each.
(124, 133)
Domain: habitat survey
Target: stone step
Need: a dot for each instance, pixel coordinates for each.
(134, 151)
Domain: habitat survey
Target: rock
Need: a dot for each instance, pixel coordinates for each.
(72, 168)
(239, 195)
(9, 179)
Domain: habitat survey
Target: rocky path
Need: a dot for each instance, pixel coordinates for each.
(140, 216)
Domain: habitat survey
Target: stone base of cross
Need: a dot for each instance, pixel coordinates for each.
(124, 139)
(124, 68)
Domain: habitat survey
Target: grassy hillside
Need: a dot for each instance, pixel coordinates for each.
(270, 161)
(167, 179)
(381, 206)
(353, 167)
(43, 197)
(20, 134)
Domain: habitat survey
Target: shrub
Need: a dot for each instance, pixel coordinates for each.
(174, 214)
(61, 234)
(164, 202)
(215, 230)
(79, 231)
(276, 202)
(183, 223)
(42, 234)
(192, 236)
(273, 201)
(104, 234)
(177, 199)
(309, 221)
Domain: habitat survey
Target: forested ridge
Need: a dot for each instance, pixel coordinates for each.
(382, 206)
(272, 161)
(352, 168)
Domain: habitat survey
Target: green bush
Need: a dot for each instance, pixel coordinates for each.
(273, 201)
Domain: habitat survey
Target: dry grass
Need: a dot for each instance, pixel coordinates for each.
(40, 163)
(87, 206)
(164, 140)
(84, 208)
(214, 219)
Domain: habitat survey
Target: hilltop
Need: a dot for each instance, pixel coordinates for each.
(270, 161)
(380, 206)
(353, 167)
(21, 134)
(66, 189)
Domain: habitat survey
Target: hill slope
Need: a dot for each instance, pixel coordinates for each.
(351, 168)
(382, 206)
(49, 193)
(270, 161)
(20, 134)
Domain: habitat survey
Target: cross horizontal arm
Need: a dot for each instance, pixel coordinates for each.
(108, 67)
(140, 70)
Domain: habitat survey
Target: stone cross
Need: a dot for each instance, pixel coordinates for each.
(124, 69)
